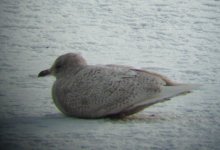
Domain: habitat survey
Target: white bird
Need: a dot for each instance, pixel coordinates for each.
(95, 91)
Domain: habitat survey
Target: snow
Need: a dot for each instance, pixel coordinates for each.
(175, 38)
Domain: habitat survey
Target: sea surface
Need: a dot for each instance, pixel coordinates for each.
(180, 39)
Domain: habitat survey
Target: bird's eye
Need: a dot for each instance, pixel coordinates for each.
(58, 66)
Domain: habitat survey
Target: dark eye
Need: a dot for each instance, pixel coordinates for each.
(58, 66)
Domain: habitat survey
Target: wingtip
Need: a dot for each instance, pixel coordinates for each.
(190, 86)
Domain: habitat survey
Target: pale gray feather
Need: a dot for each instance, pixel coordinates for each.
(87, 91)
(101, 91)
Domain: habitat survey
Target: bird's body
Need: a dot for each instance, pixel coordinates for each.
(88, 91)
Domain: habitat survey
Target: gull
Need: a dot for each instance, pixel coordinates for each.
(96, 91)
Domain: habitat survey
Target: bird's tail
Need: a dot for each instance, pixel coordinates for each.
(168, 92)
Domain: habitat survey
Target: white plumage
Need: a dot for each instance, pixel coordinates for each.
(87, 91)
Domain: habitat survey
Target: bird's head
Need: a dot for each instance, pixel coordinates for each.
(64, 63)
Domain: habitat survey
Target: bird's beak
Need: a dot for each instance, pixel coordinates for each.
(44, 73)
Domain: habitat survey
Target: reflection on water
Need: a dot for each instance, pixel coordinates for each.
(178, 39)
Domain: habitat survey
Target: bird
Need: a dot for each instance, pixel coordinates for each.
(96, 91)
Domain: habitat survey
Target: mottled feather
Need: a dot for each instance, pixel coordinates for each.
(94, 91)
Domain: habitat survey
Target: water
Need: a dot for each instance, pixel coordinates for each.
(180, 39)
